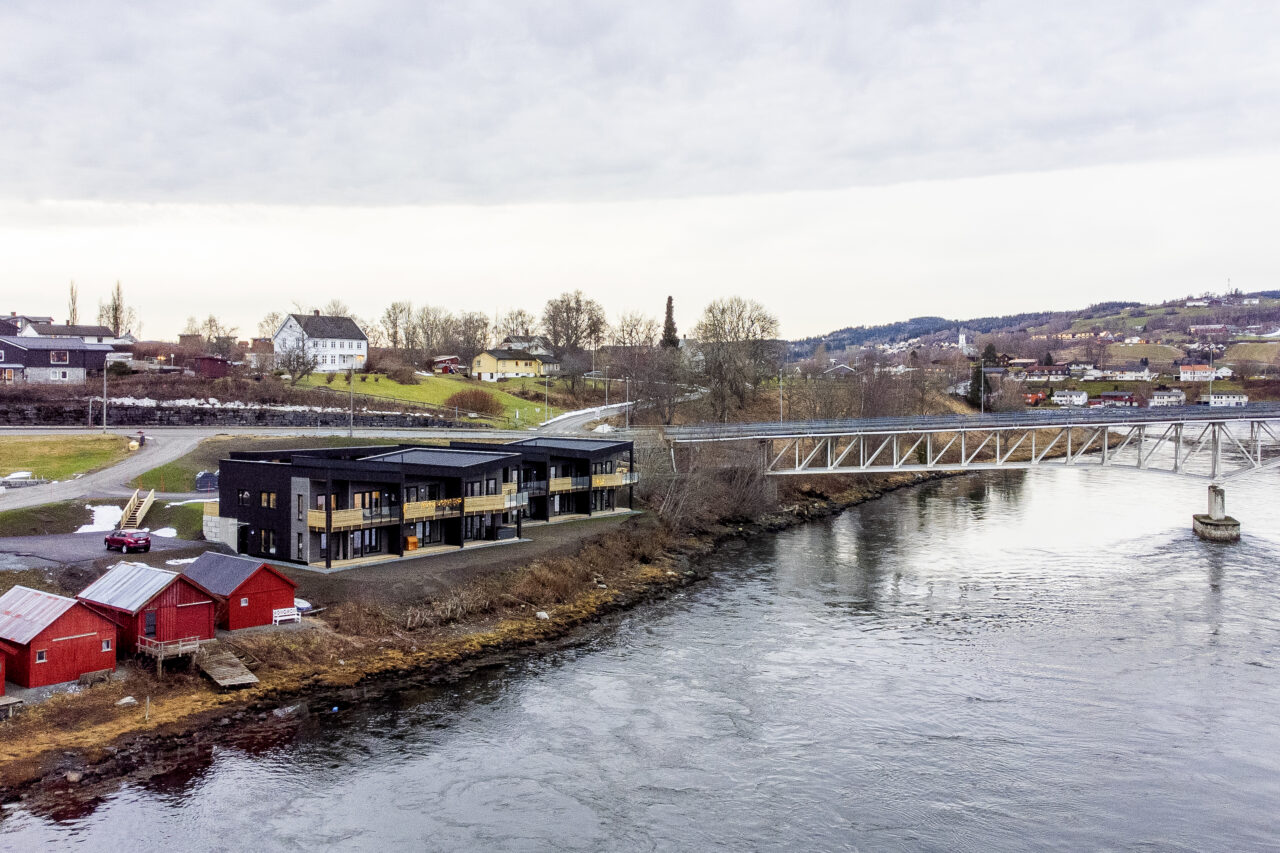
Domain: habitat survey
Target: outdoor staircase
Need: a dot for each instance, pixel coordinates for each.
(136, 509)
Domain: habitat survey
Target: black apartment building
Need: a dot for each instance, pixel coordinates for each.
(326, 505)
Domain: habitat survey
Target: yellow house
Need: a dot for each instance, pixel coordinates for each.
(494, 364)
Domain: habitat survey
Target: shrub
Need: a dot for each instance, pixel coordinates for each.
(328, 378)
(402, 374)
(475, 400)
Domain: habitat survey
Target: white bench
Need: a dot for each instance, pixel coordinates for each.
(285, 614)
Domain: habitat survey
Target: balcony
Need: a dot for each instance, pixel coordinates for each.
(510, 488)
(569, 484)
(431, 510)
(352, 519)
(485, 503)
(534, 487)
(610, 481)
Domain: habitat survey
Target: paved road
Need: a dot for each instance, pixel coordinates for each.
(45, 551)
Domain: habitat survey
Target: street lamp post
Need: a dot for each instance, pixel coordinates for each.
(351, 400)
(104, 394)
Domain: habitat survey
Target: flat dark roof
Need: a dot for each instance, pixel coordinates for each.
(579, 444)
(441, 457)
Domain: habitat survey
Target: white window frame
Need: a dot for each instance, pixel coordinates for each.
(66, 356)
(106, 645)
(42, 656)
(244, 602)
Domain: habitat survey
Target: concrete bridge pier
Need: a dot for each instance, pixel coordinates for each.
(1216, 525)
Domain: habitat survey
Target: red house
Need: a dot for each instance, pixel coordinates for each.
(249, 592)
(49, 639)
(151, 605)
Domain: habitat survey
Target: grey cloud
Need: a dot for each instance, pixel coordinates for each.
(405, 102)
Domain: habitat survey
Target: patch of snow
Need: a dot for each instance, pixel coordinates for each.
(105, 519)
(180, 562)
(19, 475)
(193, 501)
(167, 532)
(603, 428)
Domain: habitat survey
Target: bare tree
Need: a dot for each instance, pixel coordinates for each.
(736, 336)
(73, 305)
(635, 336)
(516, 323)
(335, 308)
(434, 329)
(571, 322)
(296, 362)
(471, 335)
(116, 315)
(395, 319)
(218, 337)
(270, 324)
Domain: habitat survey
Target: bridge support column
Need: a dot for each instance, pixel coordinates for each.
(1216, 525)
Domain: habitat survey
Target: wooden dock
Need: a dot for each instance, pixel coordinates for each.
(221, 665)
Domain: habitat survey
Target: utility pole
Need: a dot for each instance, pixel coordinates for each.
(351, 401)
(104, 395)
(628, 406)
(779, 395)
(546, 397)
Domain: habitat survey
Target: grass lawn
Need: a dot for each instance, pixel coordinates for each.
(61, 517)
(434, 391)
(60, 457)
(180, 474)
(1155, 353)
(68, 516)
(1268, 352)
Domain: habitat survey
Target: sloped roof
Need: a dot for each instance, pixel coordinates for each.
(53, 343)
(517, 354)
(222, 573)
(324, 326)
(74, 331)
(25, 612)
(128, 586)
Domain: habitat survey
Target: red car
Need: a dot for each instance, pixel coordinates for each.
(126, 540)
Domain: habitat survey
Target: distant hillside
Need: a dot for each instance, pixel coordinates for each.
(1113, 316)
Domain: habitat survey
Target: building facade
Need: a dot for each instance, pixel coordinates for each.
(494, 364)
(50, 360)
(50, 639)
(328, 505)
(336, 343)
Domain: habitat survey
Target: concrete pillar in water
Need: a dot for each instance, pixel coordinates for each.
(1216, 525)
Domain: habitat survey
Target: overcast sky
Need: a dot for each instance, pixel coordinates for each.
(842, 163)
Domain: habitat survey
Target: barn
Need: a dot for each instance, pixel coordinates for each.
(151, 606)
(249, 592)
(49, 639)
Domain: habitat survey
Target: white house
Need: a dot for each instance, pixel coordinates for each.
(1063, 397)
(1195, 373)
(337, 343)
(1130, 374)
(1227, 400)
(1223, 373)
(1176, 397)
(532, 344)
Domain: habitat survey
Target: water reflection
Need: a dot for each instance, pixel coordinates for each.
(997, 663)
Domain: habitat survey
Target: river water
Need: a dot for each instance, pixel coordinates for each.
(1008, 662)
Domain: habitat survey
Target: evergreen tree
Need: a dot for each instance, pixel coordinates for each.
(990, 358)
(669, 336)
(976, 383)
(1047, 361)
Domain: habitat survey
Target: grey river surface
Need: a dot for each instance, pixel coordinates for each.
(1008, 662)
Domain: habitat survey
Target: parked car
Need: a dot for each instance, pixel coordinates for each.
(127, 540)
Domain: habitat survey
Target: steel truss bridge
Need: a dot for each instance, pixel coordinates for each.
(1214, 444)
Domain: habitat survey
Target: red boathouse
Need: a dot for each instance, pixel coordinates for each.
(49, 639)
(249, 592)
(151, 605)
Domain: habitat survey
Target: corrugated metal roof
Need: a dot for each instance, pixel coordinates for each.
(444, 458)
(221, 573)
(25, 612)
(128, 586)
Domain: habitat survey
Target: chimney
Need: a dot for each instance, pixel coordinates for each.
(317, 312)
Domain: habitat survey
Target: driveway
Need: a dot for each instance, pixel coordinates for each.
(38, 552)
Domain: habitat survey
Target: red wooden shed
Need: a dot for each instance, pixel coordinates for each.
(151, 604)
(249, 592)
(49, 639)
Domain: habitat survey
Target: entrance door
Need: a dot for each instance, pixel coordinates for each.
(149, 624)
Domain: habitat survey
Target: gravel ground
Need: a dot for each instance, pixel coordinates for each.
(427, 576)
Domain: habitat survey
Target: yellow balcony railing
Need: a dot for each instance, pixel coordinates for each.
(426, 510)
(509, 488)
(352, 519)
(485, 503)
(211, 508)
(560, 484)
(609, 481)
